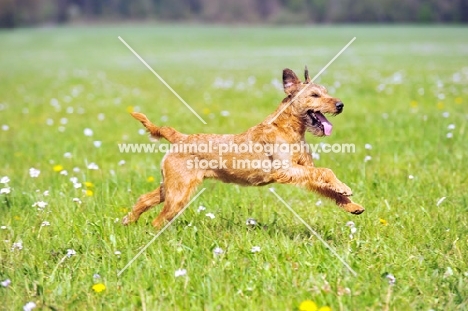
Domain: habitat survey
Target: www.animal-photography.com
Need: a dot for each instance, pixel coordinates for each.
(233, 155)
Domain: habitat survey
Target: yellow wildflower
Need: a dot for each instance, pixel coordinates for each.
(458, 100)
(414, 104)
(383, 221)
(57, 168)
(89, 193)
(99, 287)
(308, 305)
(440, 105)
(130, 109)
(89, 184)
(150, 179)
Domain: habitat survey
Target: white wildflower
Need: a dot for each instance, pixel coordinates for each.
(77, 185)
(29, 306)
(218, 251)
(17, 245)
(97, 143)
(251, 222)
(448, 273)
(45, 223)
(255, 249)
(367, 158)
(391, 279)
(88, 132)
(368, 146)
(93, 166)
(451, 127)
(76, 200)
(34, 173)
(201, 208)
(70, 252)
(40, 205)
(121, 162)
(6, 283)
(211, 215)
(67, 155)
(5, 190)
(180, 272)
(4, 180)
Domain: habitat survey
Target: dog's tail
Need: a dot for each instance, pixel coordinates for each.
(156, 132)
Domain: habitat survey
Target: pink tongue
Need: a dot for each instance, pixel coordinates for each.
(327, 126)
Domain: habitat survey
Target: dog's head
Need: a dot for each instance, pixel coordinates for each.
(310, 102)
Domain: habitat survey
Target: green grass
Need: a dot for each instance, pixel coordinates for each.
(92, 72)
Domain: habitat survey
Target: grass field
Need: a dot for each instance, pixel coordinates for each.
(406, 95)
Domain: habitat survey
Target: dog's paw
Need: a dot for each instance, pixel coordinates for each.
(353, 208)
(127, 219)
(342, 189)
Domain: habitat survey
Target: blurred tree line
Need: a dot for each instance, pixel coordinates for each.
(14, 13)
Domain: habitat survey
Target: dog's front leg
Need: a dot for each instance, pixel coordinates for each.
(321, 180)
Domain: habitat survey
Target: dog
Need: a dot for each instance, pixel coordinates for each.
(302, 110)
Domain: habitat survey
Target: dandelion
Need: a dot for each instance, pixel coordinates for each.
(121, 162)
(17, 245)
(45, 223)
(368, 146)
(458, 100)
(180, 272)
(211, 215)
(70, 252)
(93, 166)
(34, 173)
(6, 283)
(5, 190)
(255, 249)
(67, 155)
(97, 143)
(383, 222)
(4, 180)
(218, 251)
(367, 158)
(308, 305)
(58, 168)
(150, 179)
(88, 132)
(29, 306)
(99, 287)
(414, 104)
(251, 222)
(201, 208)
(89, 193)
(89, 184)
(391, 279)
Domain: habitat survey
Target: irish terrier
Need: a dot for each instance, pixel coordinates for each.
(184, 169)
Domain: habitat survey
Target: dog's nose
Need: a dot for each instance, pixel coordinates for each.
(339, 106)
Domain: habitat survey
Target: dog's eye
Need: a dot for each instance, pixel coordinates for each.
(315, 95)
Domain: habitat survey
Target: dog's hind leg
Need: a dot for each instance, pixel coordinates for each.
(144, 203)
(179, 183)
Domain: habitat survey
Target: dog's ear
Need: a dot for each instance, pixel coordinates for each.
(306, 75)
(290, 81)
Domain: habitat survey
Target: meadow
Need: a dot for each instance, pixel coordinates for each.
(65, 98)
